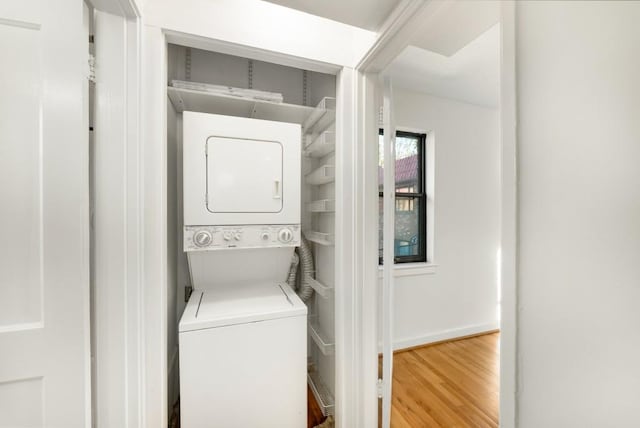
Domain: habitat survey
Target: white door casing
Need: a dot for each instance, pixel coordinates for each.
(117, 265)
(395, 34)
(44, 222)
(388, 256)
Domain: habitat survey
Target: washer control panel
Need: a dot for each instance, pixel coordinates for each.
(207, 238)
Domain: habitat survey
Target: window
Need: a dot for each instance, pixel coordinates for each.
(411, 201)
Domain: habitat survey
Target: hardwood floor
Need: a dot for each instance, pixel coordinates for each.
(451, 384)
(314, 413)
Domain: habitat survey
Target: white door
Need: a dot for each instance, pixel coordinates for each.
(44, 233)
(244, 175)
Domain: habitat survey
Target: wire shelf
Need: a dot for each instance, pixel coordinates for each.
(323, 175)
(323, 116)
(322, 290)
(321, 392)
(323, 344)
(321, 145)
(209, 102)
(319, 237)
(322, 206)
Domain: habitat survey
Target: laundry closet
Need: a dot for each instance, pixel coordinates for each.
(265, 139)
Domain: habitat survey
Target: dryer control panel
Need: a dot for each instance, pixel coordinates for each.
(207, 238)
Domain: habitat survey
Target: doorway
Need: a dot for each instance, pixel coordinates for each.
(445, 73)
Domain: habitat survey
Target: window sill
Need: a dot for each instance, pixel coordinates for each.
(411, 269)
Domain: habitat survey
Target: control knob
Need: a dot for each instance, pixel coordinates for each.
(285, 235)
(202, 238)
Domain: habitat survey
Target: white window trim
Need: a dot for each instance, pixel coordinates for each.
(411, 269)
(428, 267)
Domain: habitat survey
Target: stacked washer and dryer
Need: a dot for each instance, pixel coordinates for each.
(242, 336)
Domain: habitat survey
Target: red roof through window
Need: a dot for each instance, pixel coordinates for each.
(406, 170)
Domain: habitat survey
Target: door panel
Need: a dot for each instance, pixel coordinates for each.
(244, 176)
(20, 177)
(44, 269)
(21, 403)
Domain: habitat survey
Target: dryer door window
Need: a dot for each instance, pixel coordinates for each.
(244, 176)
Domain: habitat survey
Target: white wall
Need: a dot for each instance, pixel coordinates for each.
(263, 25)
(461, 296)
(579, 213)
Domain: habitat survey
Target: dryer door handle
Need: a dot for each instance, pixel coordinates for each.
(277, 190)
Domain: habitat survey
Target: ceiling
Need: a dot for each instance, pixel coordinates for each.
(471, 75)
(456, 56)
(457, 24)
(367, 14)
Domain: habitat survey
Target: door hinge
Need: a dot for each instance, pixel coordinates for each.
(187, 292)
(379, 388)
(381, 116)
(91, 68)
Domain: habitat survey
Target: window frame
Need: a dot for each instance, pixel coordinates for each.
(420, 196)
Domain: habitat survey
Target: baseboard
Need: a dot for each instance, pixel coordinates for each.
(441, 336)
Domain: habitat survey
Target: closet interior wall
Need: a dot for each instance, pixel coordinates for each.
(298, 87)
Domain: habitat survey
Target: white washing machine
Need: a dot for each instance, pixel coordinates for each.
(242, 337)
(243, 356)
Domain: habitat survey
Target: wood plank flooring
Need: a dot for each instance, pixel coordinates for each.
(451, 384)
(314, 413)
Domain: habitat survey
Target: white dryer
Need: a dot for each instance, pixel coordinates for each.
(240, 171)
(241, 192)
(243, 358)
